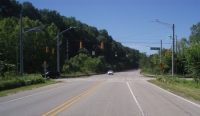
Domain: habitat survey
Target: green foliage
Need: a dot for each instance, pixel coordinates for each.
(195, 33)
(160, 78)
(186, 57)
(180, 81)
(6, 68)
(143, 60)
(36, 42)
(9, 8)
(182, 87)
(67, 67)
(192, 56)
(19, 82)
(86, 64)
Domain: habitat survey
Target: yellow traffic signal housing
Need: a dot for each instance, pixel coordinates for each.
(52, 50)
(47, 49)
(102, 45)
(81, 45)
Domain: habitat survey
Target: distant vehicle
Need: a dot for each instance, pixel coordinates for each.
(51, 74)
(110, 72)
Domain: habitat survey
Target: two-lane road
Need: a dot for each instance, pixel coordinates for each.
(122, 94)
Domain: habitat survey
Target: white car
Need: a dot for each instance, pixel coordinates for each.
(110, 72)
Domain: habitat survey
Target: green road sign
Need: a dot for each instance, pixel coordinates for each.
(169, 37)
(154, 48)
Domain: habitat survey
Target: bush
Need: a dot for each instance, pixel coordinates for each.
(20, 81)
(161, 78)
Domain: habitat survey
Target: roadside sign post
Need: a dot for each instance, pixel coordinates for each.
(93, 53)
(161, 65)
(45, 65)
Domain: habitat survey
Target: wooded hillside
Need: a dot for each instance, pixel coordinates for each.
(42, 46)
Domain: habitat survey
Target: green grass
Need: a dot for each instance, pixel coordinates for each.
(29, 87)
(185, 88)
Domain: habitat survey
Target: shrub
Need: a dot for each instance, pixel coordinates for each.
(20, 81)
(161, 78)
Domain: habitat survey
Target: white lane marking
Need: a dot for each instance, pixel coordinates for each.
(135, 100)
(177, 96)
(35, 94)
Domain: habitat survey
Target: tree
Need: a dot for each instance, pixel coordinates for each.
(8, 35)
(67, 67)
(180, 61)
(5, 67)
(35, 43)
(30, 11)
(182, 45)
(195, 33)
(9, 8)
(143, 60)
(192, 56)
(84, 51)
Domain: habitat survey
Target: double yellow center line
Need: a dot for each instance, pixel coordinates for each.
(63, 106)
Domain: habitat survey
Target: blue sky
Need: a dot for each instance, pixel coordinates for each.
(128, 21)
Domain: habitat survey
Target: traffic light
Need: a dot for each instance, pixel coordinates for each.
(47, 49)
(52, 50)
(81, 45)
(115, 53)
(126, 54)
(102, 45)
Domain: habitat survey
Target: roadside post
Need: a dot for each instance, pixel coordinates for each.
(161, 66)
(45, 65)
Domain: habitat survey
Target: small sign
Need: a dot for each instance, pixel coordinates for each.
(169, 37)
(45, 65)
(161, 65)
(93, 53)
(154, 48)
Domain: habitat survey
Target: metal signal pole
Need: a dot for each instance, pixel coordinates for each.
(21, 47)
(58, 47)
(160, 51)
(171, 25)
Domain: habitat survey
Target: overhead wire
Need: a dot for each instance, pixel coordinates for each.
(143, 33)
(129, 40)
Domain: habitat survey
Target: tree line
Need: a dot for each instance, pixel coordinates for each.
(41, 46)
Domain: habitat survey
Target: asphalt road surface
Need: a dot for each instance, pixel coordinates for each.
(122, 94)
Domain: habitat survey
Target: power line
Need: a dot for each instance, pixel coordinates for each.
(145, 42)
(142, 33)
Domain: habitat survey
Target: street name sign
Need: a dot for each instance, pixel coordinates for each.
(154, 48)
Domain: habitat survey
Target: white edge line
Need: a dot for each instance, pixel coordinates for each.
(176, 95)
(135, 99)
(34, 94)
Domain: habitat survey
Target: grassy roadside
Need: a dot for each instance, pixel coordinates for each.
(28, 87)
(181, 87)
